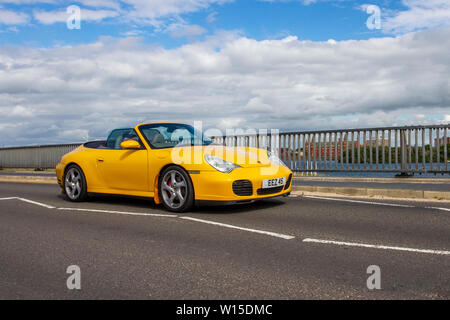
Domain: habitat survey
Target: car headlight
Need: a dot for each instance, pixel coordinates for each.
(275, 159)
(220, 165)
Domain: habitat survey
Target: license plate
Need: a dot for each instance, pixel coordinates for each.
(273, 183)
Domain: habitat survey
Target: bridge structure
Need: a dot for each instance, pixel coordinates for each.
(400, 150)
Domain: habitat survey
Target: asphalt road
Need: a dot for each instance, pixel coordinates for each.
(376, 185)
(290, 248)
(404, 185)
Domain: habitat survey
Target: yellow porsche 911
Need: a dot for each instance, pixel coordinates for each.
(173, 164)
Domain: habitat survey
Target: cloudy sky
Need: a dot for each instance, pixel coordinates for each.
(285, 64)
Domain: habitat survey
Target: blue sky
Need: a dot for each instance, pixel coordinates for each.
(316, 21)
(248, 64)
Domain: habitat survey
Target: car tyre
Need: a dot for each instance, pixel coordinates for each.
(176, 190)
(75, 185)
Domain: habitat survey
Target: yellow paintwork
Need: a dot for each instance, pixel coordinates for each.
(130, 145)
(135, 172)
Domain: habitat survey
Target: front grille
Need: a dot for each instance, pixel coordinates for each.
(263, 192)
(243, 188)
(288, 182)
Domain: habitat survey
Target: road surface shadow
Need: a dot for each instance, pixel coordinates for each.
(120, 200)
(239, 208)
(148, 203)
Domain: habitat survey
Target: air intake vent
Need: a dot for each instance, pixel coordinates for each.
(243, 188)
(288, 182)
(263, 192)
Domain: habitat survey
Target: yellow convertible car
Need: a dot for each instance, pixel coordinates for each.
(173, 164)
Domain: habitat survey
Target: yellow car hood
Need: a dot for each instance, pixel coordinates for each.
(242, 156)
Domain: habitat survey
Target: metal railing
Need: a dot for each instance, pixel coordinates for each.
(37, 157)
(403, 150)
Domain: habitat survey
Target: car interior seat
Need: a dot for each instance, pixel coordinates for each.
(119, 140)
(158, 139)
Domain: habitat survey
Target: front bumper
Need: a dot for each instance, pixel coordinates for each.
(226, 203)
(60, 173)
(218, 187)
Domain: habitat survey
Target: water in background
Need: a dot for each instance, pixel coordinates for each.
(373, 174)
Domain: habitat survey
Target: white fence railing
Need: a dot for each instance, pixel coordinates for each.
(404, 150)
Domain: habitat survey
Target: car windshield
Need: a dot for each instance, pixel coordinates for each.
(170, 135)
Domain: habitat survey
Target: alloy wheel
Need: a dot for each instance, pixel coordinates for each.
(174, 189)
(73, 183)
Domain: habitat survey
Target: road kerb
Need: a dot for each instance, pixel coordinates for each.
(343, 191)
(28, 179)
(374, 192)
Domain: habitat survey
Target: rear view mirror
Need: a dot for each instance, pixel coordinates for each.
(130, 145)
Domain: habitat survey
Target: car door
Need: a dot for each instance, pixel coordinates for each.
(123, 169)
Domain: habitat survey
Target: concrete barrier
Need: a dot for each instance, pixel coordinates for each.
(372, 192)
(28, 179)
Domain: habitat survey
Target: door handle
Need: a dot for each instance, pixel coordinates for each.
(100, 159)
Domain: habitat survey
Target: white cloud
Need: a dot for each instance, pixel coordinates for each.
(51, 17)
(12, 17)
(304, 2)
(419, 15)
(78, 135)
(212, 17)
(17, 111)
(308, 2)
(149, 12)
(112, 4)
(132, 33)
(225, 80)
(179, 31)
(18, 2)
(161, 8)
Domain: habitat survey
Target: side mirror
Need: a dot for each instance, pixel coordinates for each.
(130, 145)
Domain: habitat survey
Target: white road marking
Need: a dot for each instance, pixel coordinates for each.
(364, 202)
(436, 208)
(120, 212)
(37, 203)
(364, 245)
(29, 201)
(273, 234)
(90, 210)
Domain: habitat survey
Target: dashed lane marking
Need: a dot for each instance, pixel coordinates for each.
(382, 247)
(363, 202)
(436, 208)
(272, 234)
(121, 212)
(29, 201)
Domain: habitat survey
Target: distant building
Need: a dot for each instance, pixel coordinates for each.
(380, 142)
(441, 141)
(324, 149)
